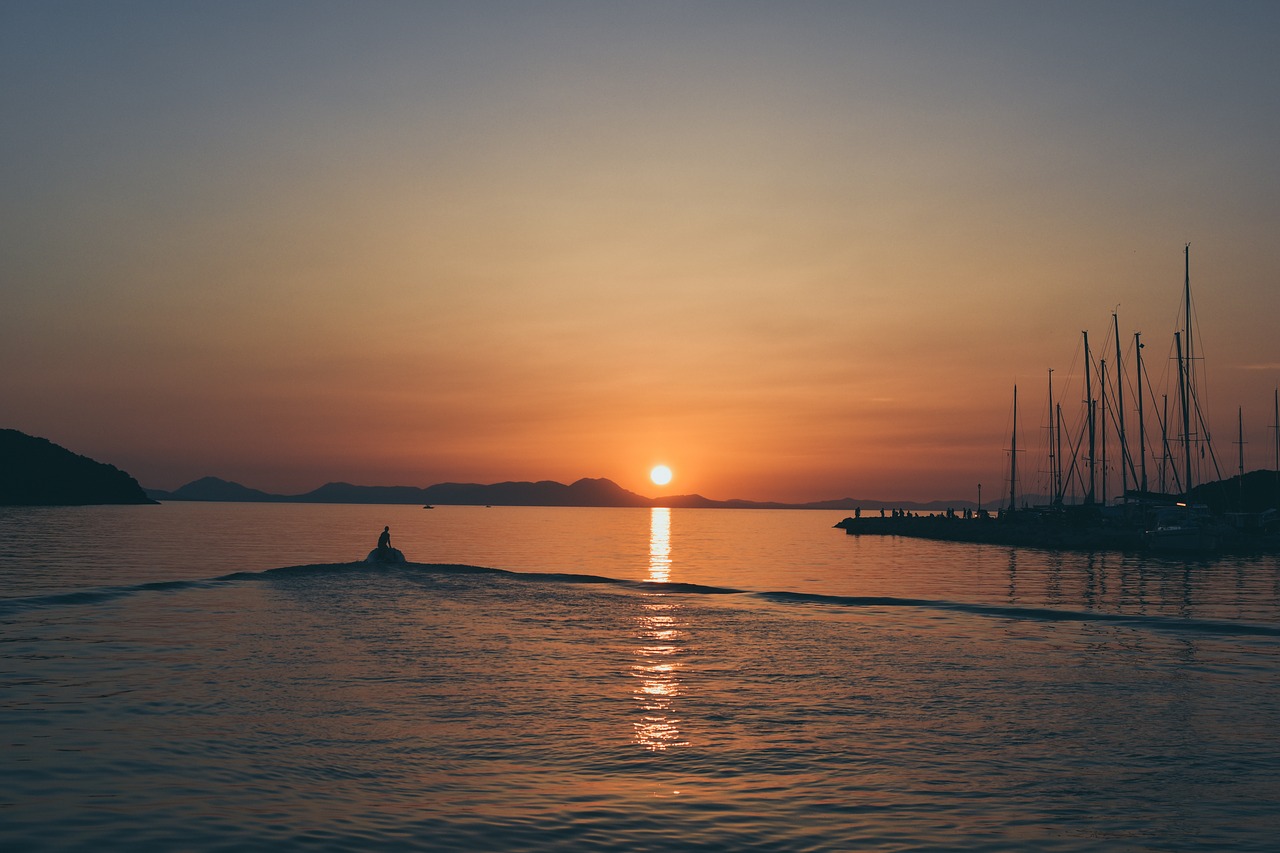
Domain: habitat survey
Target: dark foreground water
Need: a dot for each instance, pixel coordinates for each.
(165, 686)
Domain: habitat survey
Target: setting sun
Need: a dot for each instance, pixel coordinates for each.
(661, 475)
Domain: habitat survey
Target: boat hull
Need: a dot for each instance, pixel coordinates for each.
(385, 556)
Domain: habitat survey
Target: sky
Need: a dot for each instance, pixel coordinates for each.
(795, 251)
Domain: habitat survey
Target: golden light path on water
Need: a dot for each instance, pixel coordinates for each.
(657, 666)
(660, 544)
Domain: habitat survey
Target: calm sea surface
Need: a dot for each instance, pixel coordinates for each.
(220, 677)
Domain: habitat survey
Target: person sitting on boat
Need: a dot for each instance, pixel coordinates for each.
(384, 554)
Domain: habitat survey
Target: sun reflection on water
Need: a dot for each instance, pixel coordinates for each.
(660, 544)
(657, 666)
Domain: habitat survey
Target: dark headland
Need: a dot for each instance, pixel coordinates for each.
(36, 472)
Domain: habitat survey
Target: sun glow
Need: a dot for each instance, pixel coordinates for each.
(661, 475)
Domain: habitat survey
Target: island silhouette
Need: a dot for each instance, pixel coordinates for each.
(36, 472)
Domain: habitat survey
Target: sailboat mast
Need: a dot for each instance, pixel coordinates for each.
(1088, 384)
(1240, 439)
(1124, 450)
(1052, 457)
(1193, 393)
(1186, 298)
(1165, 456)
(1102, 382)
(1013, 456)
(1142, 427)
(1240, 442)
(1061, 492)
(1186, 414)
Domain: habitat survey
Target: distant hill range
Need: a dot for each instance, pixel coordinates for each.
(1258, 490)
(586, 492)
(36, 472)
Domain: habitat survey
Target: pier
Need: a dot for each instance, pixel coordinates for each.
(1079, 529)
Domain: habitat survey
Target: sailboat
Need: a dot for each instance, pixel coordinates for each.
(1184, 526)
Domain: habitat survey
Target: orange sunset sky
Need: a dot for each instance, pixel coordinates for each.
(795, 251)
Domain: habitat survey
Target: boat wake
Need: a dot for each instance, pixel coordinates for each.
(18, 606)
(1035, 614)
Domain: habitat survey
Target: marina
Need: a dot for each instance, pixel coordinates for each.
(1173, 495)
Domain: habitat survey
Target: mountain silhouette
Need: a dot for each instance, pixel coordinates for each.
(584, 492)
(587, 492)
(214, 489)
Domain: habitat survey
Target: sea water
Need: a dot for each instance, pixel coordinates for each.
(222, 677)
